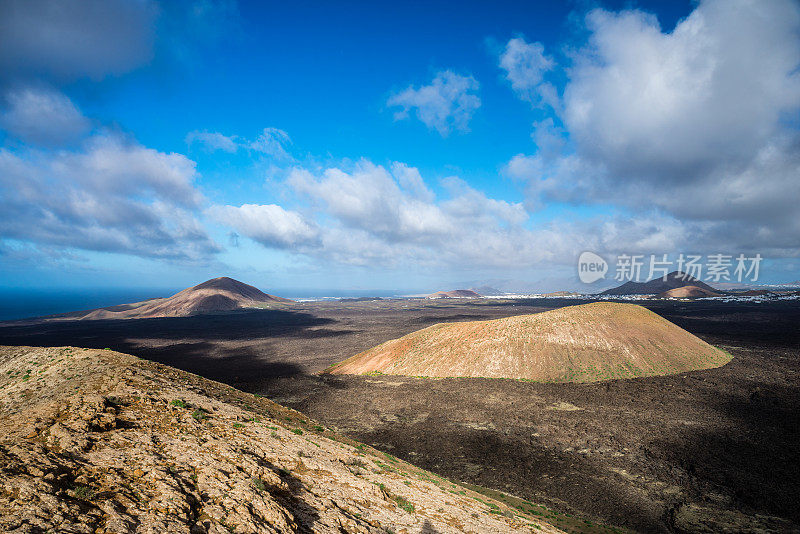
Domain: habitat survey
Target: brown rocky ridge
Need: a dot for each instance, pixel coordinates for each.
(95, 441)
(584, 343)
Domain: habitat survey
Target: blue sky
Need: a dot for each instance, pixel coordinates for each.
(415, 146)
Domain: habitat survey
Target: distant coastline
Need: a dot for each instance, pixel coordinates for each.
(25, 303)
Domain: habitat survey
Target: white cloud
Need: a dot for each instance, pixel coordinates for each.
(447, 104)
(369, 215)
(42, 116)
(268, 224)
(410, 180)
(525, 65)
(673, 104)
(691, 123)
(371, 198)
(212, 141)
(110, 195)
(272, 142)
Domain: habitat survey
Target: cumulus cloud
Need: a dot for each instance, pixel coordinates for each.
(671, 104)
(692, 123)
(92, 38)
(447, 104)
(371, 198)
(268, 224)
(525, 65)
(367, 214)
(66, 182)
(43, 117)
(111, 195)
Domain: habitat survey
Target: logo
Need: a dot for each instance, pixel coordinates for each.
(591, 267)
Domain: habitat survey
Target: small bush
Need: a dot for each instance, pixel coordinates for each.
(403, 503)
(180, 403)
(84, 493)
(356, 462)
(297, 431)
(200, 415)
(238, 425)
(259, 484)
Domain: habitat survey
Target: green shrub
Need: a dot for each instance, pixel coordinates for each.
(403, 503)
(84, 493)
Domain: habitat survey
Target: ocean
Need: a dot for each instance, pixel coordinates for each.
(22, 303)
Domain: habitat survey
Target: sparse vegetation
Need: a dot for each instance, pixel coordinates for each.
(84, 493)
(356, 462)
(398, 499)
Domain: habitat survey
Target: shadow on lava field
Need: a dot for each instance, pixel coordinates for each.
(651, 454)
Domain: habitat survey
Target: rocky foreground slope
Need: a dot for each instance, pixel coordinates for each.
(98, 441)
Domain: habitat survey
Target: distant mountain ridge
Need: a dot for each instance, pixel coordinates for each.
(454, 294)
(487, 291)
(659, 285)
(216, 295)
